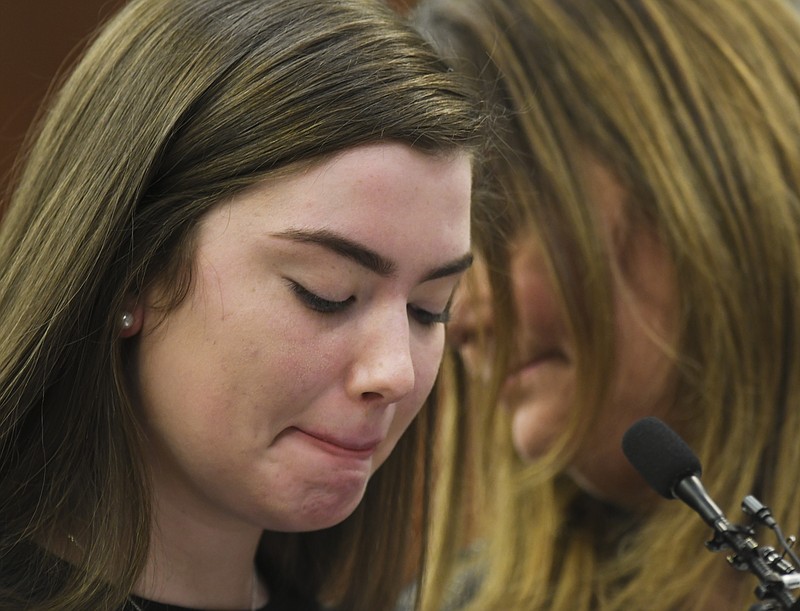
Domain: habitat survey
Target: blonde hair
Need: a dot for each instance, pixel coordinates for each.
(177, 105)
(694, 106)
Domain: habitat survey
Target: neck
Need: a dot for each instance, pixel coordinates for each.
(200, 563)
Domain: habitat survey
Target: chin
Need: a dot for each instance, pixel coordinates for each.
(530, 436)
(323, 509)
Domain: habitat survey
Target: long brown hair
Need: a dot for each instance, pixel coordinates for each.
(176, 105)
(693, 106)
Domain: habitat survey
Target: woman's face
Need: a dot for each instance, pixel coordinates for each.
(541, 386)
(309, 340)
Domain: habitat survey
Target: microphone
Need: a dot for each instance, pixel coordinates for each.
(670, 467)
(665, 462)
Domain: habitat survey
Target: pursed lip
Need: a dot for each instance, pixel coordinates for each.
(359, 447)
(514, 388)
(520, 367)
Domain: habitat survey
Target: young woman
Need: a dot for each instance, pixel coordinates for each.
(223, 281)
(644, 260)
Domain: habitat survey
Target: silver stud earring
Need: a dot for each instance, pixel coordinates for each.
(126, 320)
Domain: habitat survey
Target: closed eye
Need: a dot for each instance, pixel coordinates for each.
(317, 303)
(427, 318)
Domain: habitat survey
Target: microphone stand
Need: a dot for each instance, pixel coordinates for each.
(776, 575)
(672, 469)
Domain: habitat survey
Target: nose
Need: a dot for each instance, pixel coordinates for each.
(383, 366)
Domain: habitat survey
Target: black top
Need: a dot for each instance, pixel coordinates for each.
(15, 575)
(140, 604)
(279, 600)
(287, 601)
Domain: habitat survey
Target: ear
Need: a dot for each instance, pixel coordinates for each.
(131, 317)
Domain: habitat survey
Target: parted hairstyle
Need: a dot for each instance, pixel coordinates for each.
(177, 105)
(694, 107)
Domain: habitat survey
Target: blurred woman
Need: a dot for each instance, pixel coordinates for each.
(643, 259)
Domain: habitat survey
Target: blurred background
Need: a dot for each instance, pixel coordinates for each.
(39, 41)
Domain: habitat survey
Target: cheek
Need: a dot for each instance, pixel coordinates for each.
(536, 302)
(646, 300)
(535, 299)
(646, 331)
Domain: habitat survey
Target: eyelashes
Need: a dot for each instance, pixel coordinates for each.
(317, 303)
(329, 306)
(424, 317)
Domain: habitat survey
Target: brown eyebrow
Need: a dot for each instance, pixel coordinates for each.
(454, 267)
(366, 257)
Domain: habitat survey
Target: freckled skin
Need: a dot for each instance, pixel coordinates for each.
(239, 379)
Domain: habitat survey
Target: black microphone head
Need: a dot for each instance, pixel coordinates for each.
(659, 455)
